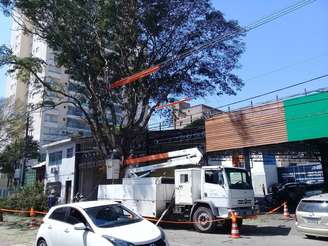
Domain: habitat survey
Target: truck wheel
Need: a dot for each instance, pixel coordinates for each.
(203, 220)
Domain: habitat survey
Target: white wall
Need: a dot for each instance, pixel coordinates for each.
(66, 168)
(264, 173)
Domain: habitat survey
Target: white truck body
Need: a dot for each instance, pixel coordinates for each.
(145, 196)
(200, 194)
(151, 196)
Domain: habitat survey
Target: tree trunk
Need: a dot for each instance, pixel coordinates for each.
(324, 163)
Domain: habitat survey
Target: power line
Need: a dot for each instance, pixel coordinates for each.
(262, 21)
(310, 59)
(255, 110)
(232, 132)
(153, 125)
(274, 91)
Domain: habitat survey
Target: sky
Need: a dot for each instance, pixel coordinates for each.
(288, 50)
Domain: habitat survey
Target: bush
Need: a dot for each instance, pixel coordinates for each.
(32, 196)
(3, 203)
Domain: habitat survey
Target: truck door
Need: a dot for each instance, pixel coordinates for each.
(183, 192)
(213, 187)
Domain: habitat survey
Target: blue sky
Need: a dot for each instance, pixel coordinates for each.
(296, 42)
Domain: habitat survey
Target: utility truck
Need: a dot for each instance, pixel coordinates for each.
(204, 195)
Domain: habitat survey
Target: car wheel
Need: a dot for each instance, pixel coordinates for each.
(203, 220)
(42, 242)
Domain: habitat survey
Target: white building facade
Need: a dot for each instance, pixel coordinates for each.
(60, 169)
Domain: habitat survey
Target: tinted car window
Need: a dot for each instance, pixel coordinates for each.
(75, 217)
(313, 206)
(111, 215)
(58, 214)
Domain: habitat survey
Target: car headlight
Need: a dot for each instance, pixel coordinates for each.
(118, 242)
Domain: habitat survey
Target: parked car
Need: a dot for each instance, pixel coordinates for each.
(292, 193)
(312, 216)
(97, 223)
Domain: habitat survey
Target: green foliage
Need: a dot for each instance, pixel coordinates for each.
(28, 197)
(12, 120)
(3, 203)
(100, 42)
(14, 152)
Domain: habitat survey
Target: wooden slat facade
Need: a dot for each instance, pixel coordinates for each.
(261, 125)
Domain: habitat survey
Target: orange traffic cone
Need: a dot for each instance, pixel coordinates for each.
(32, 212)
(234, 227)
(286, 213)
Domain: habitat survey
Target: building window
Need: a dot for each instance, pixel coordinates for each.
(51, 118)
(74, 123)
(74, 111)
(55, 158)
(183, 178)
(52, 131)
(69, 153)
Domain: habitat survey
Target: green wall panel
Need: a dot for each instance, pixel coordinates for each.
(307, 117)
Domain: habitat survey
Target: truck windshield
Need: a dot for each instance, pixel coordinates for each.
(111, 215)
(238, 179)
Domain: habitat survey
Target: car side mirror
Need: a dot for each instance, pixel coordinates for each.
(80, 227)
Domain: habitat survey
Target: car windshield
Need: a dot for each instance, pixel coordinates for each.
(238, 179)
(313, 206)
(111, 215)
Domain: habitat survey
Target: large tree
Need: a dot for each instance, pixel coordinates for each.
(12, 121)
(101, 41)
(16, 152)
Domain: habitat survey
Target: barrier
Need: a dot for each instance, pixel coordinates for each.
(234, 230)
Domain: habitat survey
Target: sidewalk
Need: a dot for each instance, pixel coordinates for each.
(16, 232)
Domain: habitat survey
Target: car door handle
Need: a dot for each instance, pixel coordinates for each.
(50, 227)
(66, 230)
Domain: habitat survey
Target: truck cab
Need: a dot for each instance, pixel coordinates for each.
(214, 192)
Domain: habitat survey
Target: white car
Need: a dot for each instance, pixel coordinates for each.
(97, 223)
(312, 216)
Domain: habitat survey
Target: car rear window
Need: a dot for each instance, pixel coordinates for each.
(313, 206)
(58, 214)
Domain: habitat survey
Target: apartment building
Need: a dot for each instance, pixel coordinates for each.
(184, 114)
(46, 125)
(21, 46)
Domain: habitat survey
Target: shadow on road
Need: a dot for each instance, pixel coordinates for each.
(245, 230)
(319, 239)
(253, 230)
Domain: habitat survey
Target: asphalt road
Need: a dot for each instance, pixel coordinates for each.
(264, 231)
